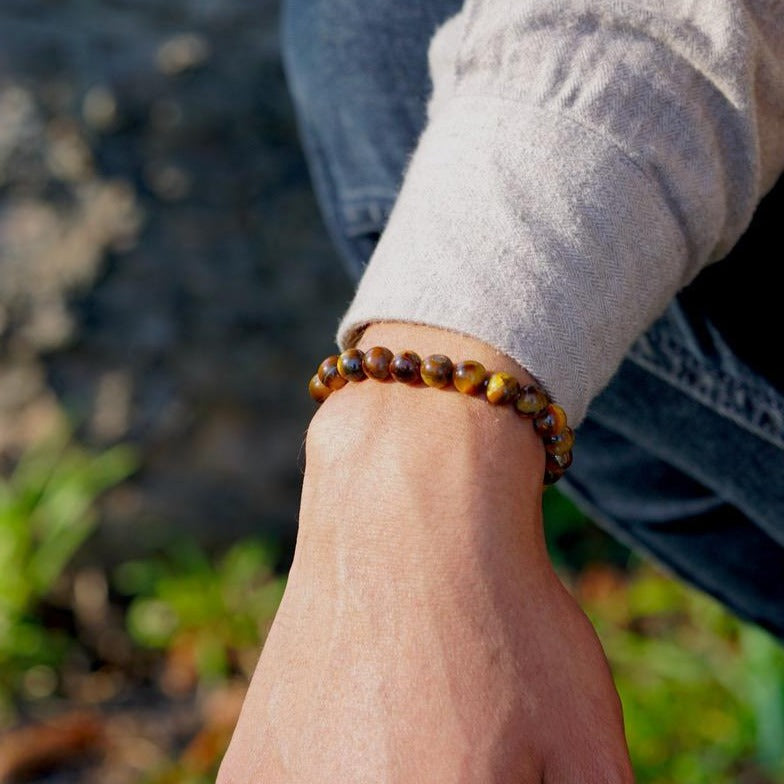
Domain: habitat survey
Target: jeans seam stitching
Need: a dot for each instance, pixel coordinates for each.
(762, 399)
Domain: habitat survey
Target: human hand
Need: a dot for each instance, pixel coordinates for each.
(423, 636)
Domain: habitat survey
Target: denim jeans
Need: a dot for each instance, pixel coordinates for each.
(682, 455)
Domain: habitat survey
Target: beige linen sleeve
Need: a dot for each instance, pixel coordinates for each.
(581, 163)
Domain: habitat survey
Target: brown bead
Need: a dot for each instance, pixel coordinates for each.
(532, 401)
(502, 388)
(350, 365)
(561, 443)
(469, 377)
(376, 362)
(558, 462)
(551, 421)
(404, 367)
(328, 373)
(436, 371)
(555, 467)
(318, 391)
(551, 477)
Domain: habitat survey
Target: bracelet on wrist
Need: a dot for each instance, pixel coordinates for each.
(529, 401)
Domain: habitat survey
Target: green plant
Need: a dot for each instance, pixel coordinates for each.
(208, 612)
(46, 512)
(703, 693)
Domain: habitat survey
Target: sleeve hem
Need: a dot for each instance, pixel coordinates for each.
(523, 229)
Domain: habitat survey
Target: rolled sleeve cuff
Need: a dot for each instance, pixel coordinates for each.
(531, 232)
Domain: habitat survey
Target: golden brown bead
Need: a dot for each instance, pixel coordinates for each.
(436, 371)
(555, 467)
(376, 362)
(502, 388)
(469, 377)
(328, 374)
(532, 401)
(404, 367)
(350, 365)
(557, 462)
(318, 391)
(551, 421)
(561, 443)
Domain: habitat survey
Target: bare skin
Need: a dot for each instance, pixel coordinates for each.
(424, 636)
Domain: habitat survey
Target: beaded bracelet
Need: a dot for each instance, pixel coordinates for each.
(529, 401)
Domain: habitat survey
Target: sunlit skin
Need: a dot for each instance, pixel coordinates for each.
(424, 636)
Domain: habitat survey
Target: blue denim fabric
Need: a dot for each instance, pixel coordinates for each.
(682, 456)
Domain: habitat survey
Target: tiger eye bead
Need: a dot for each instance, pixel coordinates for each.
(561, 443)
(350, 365)
(328, 374)
(558, 462)
(532, 401)
(318, 391)
(436, 371)
(551, 421)
(551, 477)
(404, 367)
(376, 362)
(555, 467)
(502, 388)
(469, 377)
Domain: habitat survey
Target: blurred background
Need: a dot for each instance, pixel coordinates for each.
(165, 287)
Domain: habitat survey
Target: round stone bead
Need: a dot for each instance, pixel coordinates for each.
(404, 367)
(469, 377)
(555, 467)
(502, 388)
(561, 443)
(376, 362)
(328, 374)
(551, 477)
(557, 462)
(436, 371)
(551, 421)
(318, 391)
(532, 401)
(350, 365)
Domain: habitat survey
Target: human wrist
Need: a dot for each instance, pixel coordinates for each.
(471, 378)
(440, 469)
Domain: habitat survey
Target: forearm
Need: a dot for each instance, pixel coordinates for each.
(424, 635)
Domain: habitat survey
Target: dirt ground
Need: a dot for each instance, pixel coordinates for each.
(165, 281)
(164, 275)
